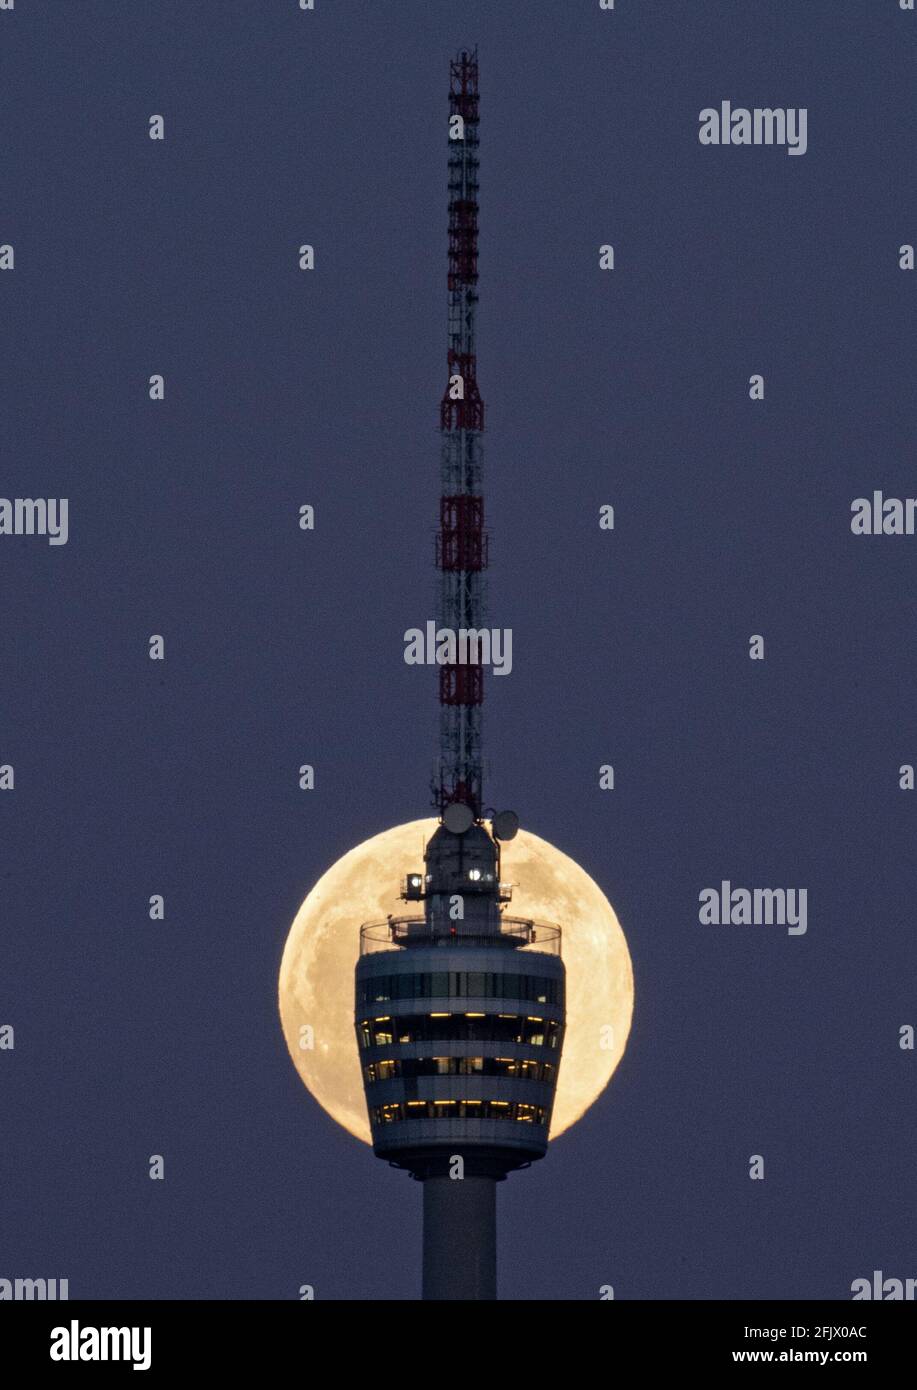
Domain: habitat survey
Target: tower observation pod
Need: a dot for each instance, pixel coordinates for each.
(459, 1008)
(460, 1025)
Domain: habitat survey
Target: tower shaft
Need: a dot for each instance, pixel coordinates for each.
(461, 542)
(460, 1238)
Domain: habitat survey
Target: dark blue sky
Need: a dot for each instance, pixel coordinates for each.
(132, 778)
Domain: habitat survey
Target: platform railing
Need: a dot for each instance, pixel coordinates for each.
(518, 933)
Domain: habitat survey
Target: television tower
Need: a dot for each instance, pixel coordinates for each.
(460, 1011)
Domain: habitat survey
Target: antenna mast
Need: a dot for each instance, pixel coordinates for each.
(461, 542)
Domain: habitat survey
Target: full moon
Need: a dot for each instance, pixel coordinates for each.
(317, 983)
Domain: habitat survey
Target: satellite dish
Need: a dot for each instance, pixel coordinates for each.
(458, 817)
(505, 824)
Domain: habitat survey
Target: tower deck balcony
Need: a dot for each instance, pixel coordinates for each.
(512, 933)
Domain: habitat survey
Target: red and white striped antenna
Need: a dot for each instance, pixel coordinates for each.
(461, 542)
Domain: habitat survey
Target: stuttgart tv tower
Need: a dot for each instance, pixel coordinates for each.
(460, 1008)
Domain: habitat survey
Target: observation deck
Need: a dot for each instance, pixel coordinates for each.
(513, 933)
(460, 1028)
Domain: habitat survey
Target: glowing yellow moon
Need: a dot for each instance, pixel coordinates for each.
(316, 973)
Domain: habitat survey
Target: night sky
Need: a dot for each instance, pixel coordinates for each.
(284, 647)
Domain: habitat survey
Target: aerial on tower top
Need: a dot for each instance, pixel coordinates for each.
(461, 541)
